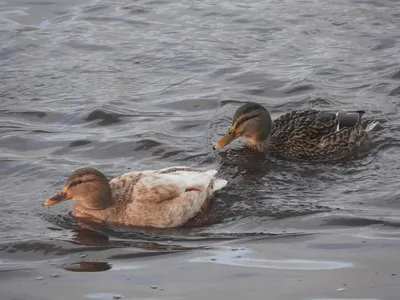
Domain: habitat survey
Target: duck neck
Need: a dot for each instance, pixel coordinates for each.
(99, 200)
(260, 143)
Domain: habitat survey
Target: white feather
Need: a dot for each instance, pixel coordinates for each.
(338, 125)
(219, 184)
(189, 179)
(371, 126)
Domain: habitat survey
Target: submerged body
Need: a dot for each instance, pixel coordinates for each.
(155, 198)
(303, 135)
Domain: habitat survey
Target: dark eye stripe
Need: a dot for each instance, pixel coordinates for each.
(80, 181)
(245, 119)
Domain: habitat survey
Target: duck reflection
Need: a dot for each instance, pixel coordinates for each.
(87, 266)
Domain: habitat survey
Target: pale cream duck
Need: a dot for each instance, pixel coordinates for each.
(153, 198)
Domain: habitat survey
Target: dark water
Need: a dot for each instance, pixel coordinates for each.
(132, 85)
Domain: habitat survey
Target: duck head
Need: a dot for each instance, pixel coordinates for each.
(252, 121)
(88, 186)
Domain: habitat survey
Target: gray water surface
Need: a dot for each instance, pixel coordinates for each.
(133, 85)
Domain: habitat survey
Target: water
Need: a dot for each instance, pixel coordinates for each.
(133, 85)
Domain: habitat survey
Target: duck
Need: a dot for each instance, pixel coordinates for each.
(163, 198)
(311, 135)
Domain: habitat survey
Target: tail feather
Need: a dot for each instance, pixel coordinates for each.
(369, 125)
(216, 183)
(219, 184)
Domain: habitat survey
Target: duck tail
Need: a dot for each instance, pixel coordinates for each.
(215, 184)
(218, 184)
(369, 125)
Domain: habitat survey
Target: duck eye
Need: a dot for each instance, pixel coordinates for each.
(79, 182)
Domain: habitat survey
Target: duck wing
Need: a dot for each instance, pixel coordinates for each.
(162, 185)
(167, 197)
(166, 185)
(313, 124)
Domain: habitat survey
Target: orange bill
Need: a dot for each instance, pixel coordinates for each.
(226, 139)
(59, 197)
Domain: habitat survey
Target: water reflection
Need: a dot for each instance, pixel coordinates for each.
(87, 266)
(78, 88)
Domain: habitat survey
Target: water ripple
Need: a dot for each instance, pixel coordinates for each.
(150, 84)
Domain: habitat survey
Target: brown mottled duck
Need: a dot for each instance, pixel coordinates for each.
(154, 198)
(300, 135)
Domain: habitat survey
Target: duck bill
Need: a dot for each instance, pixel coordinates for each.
(225, 140)
(59, 197)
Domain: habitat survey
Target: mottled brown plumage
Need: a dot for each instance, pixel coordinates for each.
(303, 135)
(156, 198)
